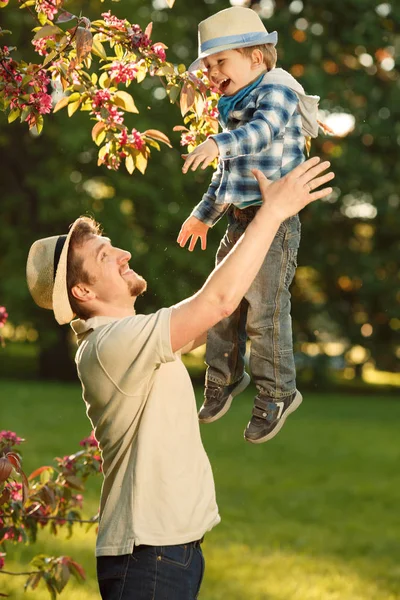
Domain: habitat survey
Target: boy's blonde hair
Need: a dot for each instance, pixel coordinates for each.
(268, 51)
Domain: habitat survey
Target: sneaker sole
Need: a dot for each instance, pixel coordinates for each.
(237, 390)
(295, 404)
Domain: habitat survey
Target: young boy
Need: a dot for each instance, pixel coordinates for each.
(266, 116)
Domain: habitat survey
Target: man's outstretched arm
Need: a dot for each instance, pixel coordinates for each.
(230, 280)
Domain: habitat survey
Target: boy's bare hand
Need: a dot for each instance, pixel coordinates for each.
(287, 196)
(203, 155)
(195, 229)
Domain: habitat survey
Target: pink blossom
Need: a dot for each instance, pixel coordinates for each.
(112, 21)
(3, 318)
(11, 438)
(123, 73)
(100, 98)
(1, 561)
(78, 500)
(138, 38)
(123, 139)
(115, 116)
(187, 139)
(41, 102)
(159, 51)
(89, 441)
(137, 140)
(41, 44)
(48, 8)
(16, 490)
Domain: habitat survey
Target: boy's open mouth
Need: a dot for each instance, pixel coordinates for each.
(223, 85)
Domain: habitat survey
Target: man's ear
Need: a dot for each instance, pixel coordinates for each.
(81, 292)
(257, 58)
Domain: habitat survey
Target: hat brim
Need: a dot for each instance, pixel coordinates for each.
(63, 312)
(269, 38)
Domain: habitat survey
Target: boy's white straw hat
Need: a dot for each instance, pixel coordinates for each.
(46, 274)
(228, 29)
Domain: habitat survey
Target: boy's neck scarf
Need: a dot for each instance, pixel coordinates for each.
(228, 103)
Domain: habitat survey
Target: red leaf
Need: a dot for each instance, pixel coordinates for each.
(14, 460)
(157, 135)
(84, 42)
(187, 98)
(148, 30)
(65, 16)
(38, 472)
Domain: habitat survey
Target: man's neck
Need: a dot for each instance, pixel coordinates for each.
(111, 310)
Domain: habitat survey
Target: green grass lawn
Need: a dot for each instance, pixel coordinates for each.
(311, 515)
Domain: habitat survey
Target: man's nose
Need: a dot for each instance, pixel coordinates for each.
(124, 256)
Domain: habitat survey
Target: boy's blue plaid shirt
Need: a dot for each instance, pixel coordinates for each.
(263, 132)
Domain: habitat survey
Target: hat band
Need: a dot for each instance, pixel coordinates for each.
(258, 37)
(57, 253)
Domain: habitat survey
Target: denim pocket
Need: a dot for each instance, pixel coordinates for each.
(112, 567)
(291, 266)
(179, 555)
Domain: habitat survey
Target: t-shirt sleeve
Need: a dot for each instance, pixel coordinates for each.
(135, 346)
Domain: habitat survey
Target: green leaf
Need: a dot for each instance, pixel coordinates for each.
(129, 164)
(61, 103)
(125, 101)
(47, 30)
(28, 3)
(14, 114)
(73, 97)
(104, 81)
(73, 107)
(42, 18)
(98, 133)
(173, 92)
(50, 57)
(98, 49)
(141, 162)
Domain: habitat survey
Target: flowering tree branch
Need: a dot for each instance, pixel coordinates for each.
(90, 66)
(47, 497)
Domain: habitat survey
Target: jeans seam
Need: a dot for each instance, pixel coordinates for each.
(124, 579)
(276, 316)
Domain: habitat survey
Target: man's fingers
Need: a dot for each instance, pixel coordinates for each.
(313, 172)
(320, 194)
(318, 181)
(305, 166)
(203, 240)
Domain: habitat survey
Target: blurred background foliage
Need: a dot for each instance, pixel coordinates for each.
(346, 291)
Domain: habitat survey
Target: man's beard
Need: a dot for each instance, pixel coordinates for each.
(137, 287)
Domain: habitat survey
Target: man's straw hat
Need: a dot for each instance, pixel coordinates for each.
(232, 28)
(46, 274)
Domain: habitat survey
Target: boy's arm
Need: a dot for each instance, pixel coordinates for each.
(273, 111)
(207, 210)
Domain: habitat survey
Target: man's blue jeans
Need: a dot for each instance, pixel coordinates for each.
(152, 573)
(263, 316)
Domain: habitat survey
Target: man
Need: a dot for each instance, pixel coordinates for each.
(158, 496)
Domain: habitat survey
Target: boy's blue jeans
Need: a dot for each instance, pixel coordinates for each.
(263, 316)
(152, 573)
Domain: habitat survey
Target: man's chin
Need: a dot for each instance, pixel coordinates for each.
(138, 287)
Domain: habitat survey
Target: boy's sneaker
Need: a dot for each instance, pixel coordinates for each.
(269, 416)
(218, 399)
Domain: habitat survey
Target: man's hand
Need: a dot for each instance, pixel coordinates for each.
(195, 229)
(287, 196)
(203, 155)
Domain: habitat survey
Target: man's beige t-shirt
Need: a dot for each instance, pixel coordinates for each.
(158, 485)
